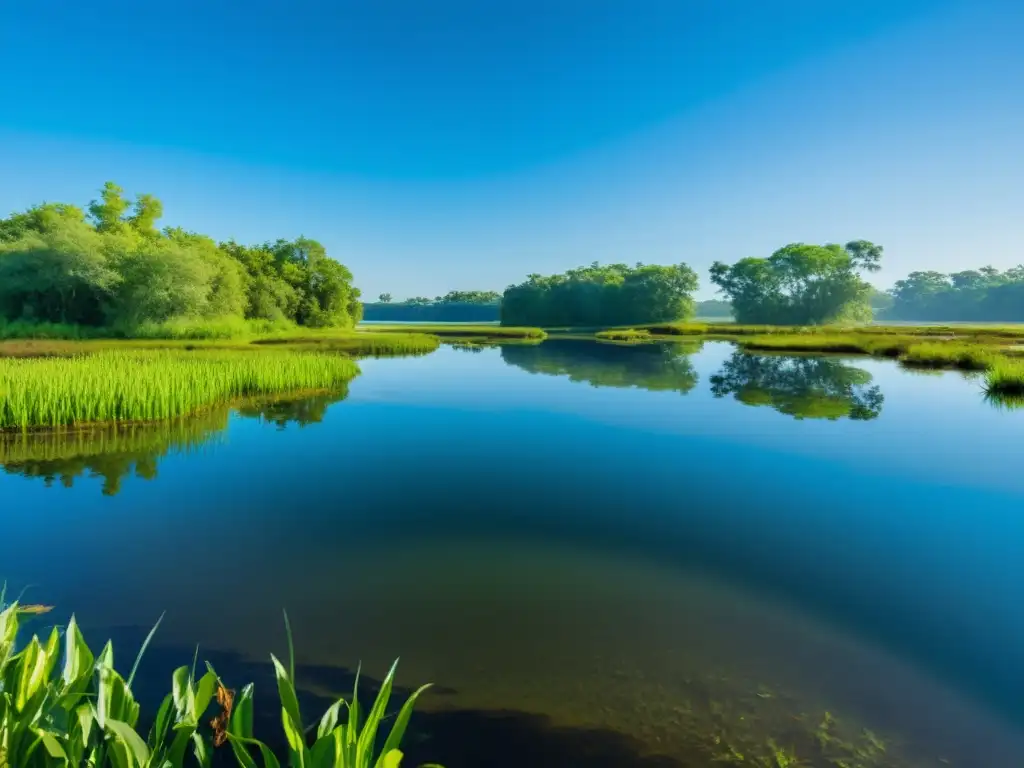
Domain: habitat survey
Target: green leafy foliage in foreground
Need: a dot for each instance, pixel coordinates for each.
(117, 386)
(81, 713)
(615, 294)
(801, 284)
(114, 270)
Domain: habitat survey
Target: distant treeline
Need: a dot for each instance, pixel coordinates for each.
(615, 294)
(111, 267)
(984, 294)
(454, 307)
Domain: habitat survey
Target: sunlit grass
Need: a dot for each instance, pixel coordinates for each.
(625, 336)
(119, 386)
(968, 357)
(358, 344)
(1005, 377)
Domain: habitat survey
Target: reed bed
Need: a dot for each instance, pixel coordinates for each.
(1005, 377)
(625, 336)
(359, 344)
(886, 346)
(120, 386)
(968, 357)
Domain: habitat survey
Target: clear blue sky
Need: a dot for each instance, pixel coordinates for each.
(460, 144)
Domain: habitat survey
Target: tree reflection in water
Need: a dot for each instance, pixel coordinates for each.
(113, 452)
(657, 367)
(801, 387)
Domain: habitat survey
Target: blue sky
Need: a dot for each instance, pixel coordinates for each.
(461, 144)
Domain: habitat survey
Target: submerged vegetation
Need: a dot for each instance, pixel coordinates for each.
(121, 386)
(615, 294)
(61, 705)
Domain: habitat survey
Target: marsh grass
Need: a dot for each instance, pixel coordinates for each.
(121, 386)
(1005, 378)
(357, 344)
(887, 346)
(968, 357)
(625, 336)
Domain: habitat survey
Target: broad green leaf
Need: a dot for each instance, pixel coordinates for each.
(293, 734)
(241, 716)
(204, 693)
(330, 718)
(182, 738)
(33, 667)
(368, 735)
(204, 756)
(8, 631)
(394, 739)
(286, 691)
(391, 759)
(127, 734)
(53, 747)
(160, 725)
(179, 690)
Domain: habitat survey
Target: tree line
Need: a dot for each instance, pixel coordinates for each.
(110, 266)
(984, 294)
(453, 307)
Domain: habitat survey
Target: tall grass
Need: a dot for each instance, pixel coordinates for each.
(117, 386)
(968, 357)
(1005, 377)
(361, 344)
(625, 336)
(62, 706)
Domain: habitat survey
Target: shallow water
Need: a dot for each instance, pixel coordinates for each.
(602, 555)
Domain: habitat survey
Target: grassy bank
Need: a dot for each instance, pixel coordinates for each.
(625, 336)
(1005, 377)
(141, 385)
(66, 706)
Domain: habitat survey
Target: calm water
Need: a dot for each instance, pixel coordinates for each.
(611, 556)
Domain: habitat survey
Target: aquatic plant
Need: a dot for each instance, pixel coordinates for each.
(118, 386)
(1005, 377)
(82, 712)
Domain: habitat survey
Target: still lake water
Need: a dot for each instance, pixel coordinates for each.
(601, 555)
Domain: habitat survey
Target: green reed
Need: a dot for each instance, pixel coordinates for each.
(968, 357)
(62, 706)
(151, 385)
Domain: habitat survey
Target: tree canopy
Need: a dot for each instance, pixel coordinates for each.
(975, 294)
(115, 268)
(801, 284)
(614, 294)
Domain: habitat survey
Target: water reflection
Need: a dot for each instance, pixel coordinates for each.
(114, 452)
(801, 387)
(657, 367)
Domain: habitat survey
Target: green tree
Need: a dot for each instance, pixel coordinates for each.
(108, 212)
(801, 284)
(384, 298)
(146, 213)
(615, 294)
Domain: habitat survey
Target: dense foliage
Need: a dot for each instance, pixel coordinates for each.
(615, 294)
(113, 268)
(981, 294)
(801, 284)
(454, 307)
